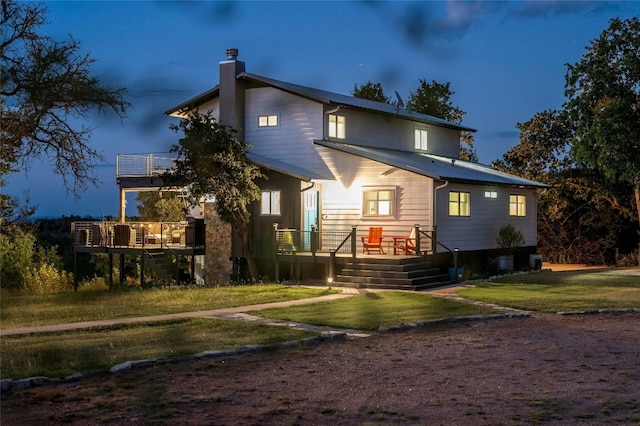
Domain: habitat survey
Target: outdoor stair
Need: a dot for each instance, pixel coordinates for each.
(164, 265)
(413, 273)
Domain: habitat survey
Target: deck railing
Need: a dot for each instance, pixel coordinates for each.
(136, 234)
(144, 165)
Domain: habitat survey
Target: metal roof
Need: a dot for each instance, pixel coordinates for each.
(287, 168)
(434, 166)
(324, 97)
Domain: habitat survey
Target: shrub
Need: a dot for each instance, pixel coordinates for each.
(47, 279)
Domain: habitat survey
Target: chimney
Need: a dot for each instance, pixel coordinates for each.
(232, 92)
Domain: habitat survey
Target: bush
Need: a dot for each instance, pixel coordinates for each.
(47, 279)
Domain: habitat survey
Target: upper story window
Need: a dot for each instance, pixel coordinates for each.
(378, 202)
(270, 203)
(420, 139)
(459, 203)
(337, 126)
(517, 205)
(491, 194)
(268, 120)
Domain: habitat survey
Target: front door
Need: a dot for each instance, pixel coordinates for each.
(309, 216)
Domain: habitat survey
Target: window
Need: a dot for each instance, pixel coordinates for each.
(268, 121)
(337, 126)
(270, 203)
(517, 205)
(421, 139)
(378, 202)
(491, 194)
(459, 203)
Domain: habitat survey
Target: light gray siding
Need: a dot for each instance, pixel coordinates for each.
(480, 230)
(300, 121)
(342, 200)
(395, 133)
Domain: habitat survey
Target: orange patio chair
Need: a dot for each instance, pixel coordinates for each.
(373, 241)
(407, 245)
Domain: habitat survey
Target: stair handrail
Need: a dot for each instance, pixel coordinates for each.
(435, 242)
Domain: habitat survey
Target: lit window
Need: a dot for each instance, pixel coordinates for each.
(268, 121)
(421, 139)
(517, 205)
(270, 203)
(490, 194)
(459, 203)
(378, 202)
(337, 126)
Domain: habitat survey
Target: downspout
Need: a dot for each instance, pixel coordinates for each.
(435, 200)
(324, 126)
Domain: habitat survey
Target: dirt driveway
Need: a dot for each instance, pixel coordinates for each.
(547, 369)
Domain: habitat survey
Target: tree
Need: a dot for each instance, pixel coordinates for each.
(211, 161)
(370, 91)
(576, 222)
(167, 206)
(603, 92)
(435, 99)
(45, 84)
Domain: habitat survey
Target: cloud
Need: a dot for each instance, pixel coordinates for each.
(544, 8)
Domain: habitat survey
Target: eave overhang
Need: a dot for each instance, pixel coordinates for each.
(435, 166)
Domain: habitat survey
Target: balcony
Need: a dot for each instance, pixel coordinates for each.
(107, 236)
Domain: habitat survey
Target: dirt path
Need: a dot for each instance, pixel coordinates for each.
(552, 369)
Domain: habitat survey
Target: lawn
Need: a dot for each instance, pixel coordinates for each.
(23, 310)
(64, 353)
(370, 311)
(561, 291)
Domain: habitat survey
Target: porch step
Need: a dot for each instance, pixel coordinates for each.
(397, 274)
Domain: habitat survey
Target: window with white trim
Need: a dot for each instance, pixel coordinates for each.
(270, 203)
(378, 202)
(491, 194)
(337, 126)
(459, 203)
(517, 205)
(268, 120)
(420, 139)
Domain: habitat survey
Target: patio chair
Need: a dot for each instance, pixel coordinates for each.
(373, 241)
(407, 245)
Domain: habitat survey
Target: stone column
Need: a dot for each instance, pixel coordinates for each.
(218, 267)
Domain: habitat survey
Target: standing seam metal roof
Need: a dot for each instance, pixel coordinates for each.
(434, 166)
(325, 97)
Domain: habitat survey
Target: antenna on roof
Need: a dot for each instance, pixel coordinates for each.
(399, 103)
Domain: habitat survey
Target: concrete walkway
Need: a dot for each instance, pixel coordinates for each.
(239, 313)
(229, 313)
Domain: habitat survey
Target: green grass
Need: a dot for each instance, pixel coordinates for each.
(64, 353)
(23, 310)
(369, 311)
(560, 291)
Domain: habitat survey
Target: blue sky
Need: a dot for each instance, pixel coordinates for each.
(505, 61)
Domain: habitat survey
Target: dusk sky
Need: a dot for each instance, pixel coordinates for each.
(505, 61)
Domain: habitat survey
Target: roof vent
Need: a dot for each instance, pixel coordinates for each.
(232, 53)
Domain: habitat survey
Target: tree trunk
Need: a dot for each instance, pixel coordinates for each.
(636, 192)
(247, 246)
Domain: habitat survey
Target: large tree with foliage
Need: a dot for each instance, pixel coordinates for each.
(47, 86)
(212, 161)
(575, 222)
(161, 206)
(430, 98)
(370, 91)
(603, 91)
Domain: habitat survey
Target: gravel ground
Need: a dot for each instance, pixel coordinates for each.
(546, 369)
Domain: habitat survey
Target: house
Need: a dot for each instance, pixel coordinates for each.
(336, 164)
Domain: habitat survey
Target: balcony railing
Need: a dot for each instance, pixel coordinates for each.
(138, 234)
(144, 165)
